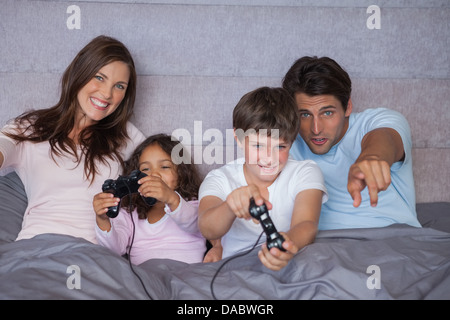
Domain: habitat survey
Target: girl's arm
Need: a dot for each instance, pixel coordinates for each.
(115, 236)
(185, 214)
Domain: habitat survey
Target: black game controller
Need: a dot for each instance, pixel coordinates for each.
(124, 185)
(274, 239)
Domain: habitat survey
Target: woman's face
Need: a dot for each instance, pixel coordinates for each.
(101, 96)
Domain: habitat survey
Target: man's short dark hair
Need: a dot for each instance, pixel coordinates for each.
(318, 76)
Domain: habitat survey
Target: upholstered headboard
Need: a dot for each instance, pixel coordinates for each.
(196, 58)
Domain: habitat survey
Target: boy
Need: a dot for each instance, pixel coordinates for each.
(265, 124)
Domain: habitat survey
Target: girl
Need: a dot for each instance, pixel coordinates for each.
(64, 153)
(167, 229)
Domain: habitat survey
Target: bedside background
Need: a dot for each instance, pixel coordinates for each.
(195, 59)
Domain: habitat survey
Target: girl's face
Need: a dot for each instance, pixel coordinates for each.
(155, 162)
(104, 92)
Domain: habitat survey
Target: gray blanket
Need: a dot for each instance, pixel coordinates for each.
(396, 262)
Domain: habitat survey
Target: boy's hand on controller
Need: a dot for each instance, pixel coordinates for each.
(239, 201)
(275, 259)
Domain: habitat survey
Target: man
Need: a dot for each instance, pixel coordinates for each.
(365, 157)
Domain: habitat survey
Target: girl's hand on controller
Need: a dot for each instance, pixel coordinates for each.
(102, 201)
(154, 186)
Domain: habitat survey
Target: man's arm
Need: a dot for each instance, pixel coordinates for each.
(380, 148)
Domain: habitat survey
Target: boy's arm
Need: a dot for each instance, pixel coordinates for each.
(380, 148)
(304, 222)
(214, 217)
(215, 253)
(305, 218)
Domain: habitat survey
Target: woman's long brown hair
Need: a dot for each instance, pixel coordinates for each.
(99, 142)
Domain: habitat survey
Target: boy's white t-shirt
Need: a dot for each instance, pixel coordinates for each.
(295, 177)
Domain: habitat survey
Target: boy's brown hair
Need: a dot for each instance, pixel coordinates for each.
(268, 109)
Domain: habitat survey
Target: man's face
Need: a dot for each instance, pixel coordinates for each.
(323, 121)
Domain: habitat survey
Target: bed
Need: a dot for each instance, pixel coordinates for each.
(395, 262)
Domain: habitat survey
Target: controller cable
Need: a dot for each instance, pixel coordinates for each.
(228, 260)
(216, 273)
(131, 245)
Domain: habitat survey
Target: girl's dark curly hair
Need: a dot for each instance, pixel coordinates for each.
(188, 176)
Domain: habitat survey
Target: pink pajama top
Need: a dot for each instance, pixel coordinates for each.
(59, 196)
(175, 236)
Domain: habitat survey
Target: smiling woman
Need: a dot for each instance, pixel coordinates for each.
(88, 135)
(103, 93)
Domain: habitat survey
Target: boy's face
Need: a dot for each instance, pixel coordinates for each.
(323, 121)
(265, 157)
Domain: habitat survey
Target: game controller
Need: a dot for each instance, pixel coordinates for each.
(274, 239)
(124, 185)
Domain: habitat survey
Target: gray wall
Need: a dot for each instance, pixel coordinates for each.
(196, 58)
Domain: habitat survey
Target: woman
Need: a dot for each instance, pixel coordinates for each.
(63, 154)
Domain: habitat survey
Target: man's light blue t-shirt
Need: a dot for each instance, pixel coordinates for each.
(395, 205)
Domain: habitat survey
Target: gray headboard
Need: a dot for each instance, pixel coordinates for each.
(196, 58)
